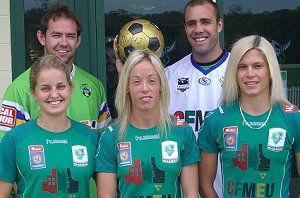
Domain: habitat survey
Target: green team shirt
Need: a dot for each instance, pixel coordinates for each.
(88, 102)
(46, 164)
(147, 164)
(255, 163)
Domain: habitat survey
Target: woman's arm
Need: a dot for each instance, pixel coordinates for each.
(207, 174)
(189, 181)
(106, 185)
(5, 189)
(298, 162)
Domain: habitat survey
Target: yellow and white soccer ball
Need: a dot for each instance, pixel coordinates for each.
(140, 34)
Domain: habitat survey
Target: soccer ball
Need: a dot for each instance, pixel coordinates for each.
(139, 34)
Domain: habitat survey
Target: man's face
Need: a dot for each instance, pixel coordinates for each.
(202, 29)
(61, 39)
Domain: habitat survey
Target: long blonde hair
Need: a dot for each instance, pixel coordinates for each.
(231, 90)
(123, 100)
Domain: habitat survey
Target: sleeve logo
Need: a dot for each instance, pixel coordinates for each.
(8, 116)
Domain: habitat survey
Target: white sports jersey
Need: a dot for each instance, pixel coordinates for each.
(194, 92)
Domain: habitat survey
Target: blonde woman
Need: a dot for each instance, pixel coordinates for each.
(147, 152)
(256, 131)
(53, 155)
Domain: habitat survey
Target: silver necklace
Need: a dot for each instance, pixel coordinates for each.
(264, 124)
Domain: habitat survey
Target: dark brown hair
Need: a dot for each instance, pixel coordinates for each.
(201, 2)
(57, 10)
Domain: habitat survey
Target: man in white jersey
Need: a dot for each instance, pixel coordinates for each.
(196, 80)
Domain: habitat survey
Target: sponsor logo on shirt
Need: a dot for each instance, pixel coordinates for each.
(230, 135)
(149, 172)
(80, 156)
(57, 141)
(183, 84)
(249, 189)
(194, 118)
(134, 174)
(252, 158)
(124, 154)
(86, 90)
(169, 152)
(61, 181)
(8, 116)
(276, 139)
(147, 137)
(36, 156)
(204, 81)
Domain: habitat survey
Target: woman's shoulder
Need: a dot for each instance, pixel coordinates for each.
(24, 128)
(111, 130)
(84, 130)
(289, 112)
(20, 132)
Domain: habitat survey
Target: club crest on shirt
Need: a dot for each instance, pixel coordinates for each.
(276, 139)
(230, 135)
(169, 152)
(125, 158)
(86, 90)
(183, 84)
(37, 157)
(80, 156)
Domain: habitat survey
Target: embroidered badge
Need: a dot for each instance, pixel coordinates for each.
(37, 157)
(8, 116)
(183, 84)
(80, 156)
(230, 135)
(276, 139)
(169, 152)
(86, 90)
(125, 158)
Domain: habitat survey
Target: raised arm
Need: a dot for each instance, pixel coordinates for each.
(119, 62)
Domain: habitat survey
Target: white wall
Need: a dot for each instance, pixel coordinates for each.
(5, 48)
